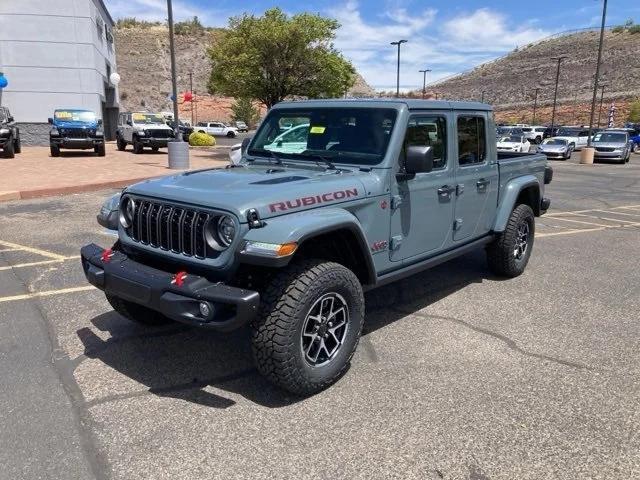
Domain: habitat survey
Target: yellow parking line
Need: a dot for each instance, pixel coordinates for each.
(579, 221)
(43, 262)
(47, 293)
(37, 251)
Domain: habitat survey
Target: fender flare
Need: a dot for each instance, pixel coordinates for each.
(511, 191)
(303, 226)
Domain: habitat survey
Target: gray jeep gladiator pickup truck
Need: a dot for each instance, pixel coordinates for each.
(366, 192)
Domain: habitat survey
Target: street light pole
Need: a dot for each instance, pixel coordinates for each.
(398, 43)
(555, 94)
(178, 150)
(601, 98)
(535, 106)
(597, 77)
(424, 82)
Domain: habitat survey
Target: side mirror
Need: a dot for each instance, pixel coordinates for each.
(10, 119)
(99, 122)
(129, 123)
(50, 120)
(419, 159)
(245, 144)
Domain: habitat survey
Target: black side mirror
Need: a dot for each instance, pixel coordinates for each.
(245, 144)
(99, 122)
(50, 120)
(129, 123)
(419, 159)
(10, 119)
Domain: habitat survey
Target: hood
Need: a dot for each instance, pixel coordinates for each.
(273, 190)
(72, 124)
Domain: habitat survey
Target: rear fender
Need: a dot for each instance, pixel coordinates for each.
(508, 199)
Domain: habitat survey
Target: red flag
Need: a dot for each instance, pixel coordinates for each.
(188, 96)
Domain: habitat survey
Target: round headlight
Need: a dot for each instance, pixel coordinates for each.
(127, 210)
(226, 230)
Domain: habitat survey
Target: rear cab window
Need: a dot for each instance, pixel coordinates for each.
(472, 140)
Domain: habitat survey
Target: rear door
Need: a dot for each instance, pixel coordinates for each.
(422, 206)
(476, 177)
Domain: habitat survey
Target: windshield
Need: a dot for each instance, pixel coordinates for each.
(527, 129)
(511, 138)
(566, 132)
(610, 137)
(344, 135)
(554, 141)
(74, 116)
(147, 118)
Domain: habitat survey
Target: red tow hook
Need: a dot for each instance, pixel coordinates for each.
(179, 278)
(106, 255)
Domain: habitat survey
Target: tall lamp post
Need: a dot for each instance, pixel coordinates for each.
(535, 105)
(555, 94)
(398, 43)
(178, 150)
(587, 153)
(602, 85)
(424, 81)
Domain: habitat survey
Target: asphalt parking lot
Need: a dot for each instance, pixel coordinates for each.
(459, 374)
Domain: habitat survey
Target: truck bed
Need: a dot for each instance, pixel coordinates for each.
(513, 164)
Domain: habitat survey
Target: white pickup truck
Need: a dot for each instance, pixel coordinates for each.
(217, 129)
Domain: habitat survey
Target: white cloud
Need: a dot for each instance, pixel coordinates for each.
(156, 10)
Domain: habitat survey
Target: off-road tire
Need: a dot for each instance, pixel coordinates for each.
(55, 151)
(137, 146)
(17, 145)
(100, 150)
(155, 149)
(231, 135)
(9, 151)
(277, 331)
(137, 313)
(121, 143)
(500, 252)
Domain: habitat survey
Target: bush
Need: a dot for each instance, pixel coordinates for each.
(198, 139)
(618, 29)
(634, 29)
(189, 27)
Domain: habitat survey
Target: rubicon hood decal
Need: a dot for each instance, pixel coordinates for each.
(314, 200)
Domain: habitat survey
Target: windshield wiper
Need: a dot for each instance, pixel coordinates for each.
(327, 162)
(277, 158)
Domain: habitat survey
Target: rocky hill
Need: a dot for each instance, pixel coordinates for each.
(142, 52)
(509, 82)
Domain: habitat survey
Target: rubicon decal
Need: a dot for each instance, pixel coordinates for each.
(315, 200)
(379, 246)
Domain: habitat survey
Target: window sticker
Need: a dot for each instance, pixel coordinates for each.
(317, 130)
(61, 115)
(139, 116)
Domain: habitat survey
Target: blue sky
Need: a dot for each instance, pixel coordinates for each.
(444, 36)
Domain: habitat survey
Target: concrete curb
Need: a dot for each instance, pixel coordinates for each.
(50, 192)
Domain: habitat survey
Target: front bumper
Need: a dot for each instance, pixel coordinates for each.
(609, 155)
(230, 307)
(4, 141)
(554, 154)
(76, 143)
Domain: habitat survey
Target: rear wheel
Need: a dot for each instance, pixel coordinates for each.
(100, 150)
(155, 149)
(17, 145)
(231, 135)
(9, 151)
(309, 325)
(55, 150)
(137, 313)
(509, 253)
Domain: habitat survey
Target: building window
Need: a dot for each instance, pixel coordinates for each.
(99, 26)
(109, 36)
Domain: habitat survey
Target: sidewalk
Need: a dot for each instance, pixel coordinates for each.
(34, 173)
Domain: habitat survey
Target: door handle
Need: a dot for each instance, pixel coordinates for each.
(445, 190)
(482, 183)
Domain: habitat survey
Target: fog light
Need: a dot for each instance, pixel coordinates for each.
(205, 309)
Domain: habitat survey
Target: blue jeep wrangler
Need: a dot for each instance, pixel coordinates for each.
(76, 129)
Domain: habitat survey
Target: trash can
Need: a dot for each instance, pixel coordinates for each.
(586, 156)
(178, 155)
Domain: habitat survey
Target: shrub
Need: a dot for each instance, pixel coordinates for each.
(189, 27)
(199, 139)
(633, 29)
(618, 29)
(634, 111)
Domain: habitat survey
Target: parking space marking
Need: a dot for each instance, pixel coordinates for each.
(47, 293)
(2, 250)
(37, 251)
(571, 232)
(579, 221)
(620, 213)
(606, 219)
(42, 262)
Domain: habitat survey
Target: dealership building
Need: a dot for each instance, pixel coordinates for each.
(57, 54)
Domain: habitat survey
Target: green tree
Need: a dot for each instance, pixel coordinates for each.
(276, 56)
(244, 110)
(634, 111)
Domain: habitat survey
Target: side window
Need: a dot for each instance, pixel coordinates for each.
(429, 131)
(472, 145)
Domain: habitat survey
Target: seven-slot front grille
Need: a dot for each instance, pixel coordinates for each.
(172, 228)
(156, 133)
(76, 132)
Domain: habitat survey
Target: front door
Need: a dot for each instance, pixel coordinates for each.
(476, 178)
(422, 206)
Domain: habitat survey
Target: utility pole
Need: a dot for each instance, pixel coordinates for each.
(424, 82)
(192, 95)
(482, 98)
(535, 105)
(597, 77)
(555, 94)
(601, 98)
(398, 43)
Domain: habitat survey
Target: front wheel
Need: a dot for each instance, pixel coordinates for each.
(55, 150)
(231, 135)
(309, 325)
(155, 149)
(100, 150)
(17, 145)
(137, 146)
(9, 151)
(121, 143)
(509, 253)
